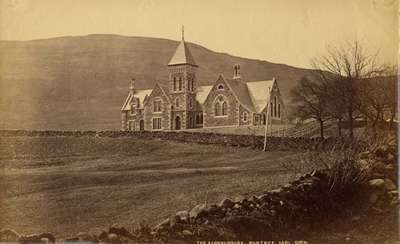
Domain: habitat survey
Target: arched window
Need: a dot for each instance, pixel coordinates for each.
(177, 102)
(221, 87)
(275, 106)
(220, 106)
(245, 115)
(217, 109)
(133, 108)
(271, 109)
(180, 83)
(174, 83)
(224, 108)
(190, 102)
(279, 110)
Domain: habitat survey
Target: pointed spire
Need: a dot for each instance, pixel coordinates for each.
(182, 53)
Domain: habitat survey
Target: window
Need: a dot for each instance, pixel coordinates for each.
(174, 83)
(190, 102)
(180, 83)
(221, 87)
(279, 110)
(220, 106)
(189, 87)
(177, 102)
(224, 109)
(191, 122)
(271, 110)
(192, 84)
(157, 106)
(217, 109)
(133, 108)
(245, 116)
(274, 106)
(156, 123)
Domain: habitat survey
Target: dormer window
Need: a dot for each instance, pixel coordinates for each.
(157, 105)
(221, 87)
(133, 108)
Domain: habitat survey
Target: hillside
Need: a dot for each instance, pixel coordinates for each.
(80, 83)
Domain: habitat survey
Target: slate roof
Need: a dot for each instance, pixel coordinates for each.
(141, 94)
(253, 95)
(241, 92)
(260, 93)
(165, 89)
(182, 55)
(202, 93)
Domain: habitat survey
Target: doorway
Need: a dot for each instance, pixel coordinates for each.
(177, 123)
(141, 125)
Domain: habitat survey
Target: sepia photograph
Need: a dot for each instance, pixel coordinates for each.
(204, 122)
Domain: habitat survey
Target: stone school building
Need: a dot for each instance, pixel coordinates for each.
(181, 104)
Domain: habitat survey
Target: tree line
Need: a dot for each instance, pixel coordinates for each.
(347, 84)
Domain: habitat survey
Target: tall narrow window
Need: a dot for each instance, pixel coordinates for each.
(274, 106)
(174, 83)
(224, 108)
(190, 102)
(217, 109)
(180, 83)
(133, 108)
(270, 105)
(245, 116)
(279, 110)
(177, 102)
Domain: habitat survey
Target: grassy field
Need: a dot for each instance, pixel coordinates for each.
(65, 184)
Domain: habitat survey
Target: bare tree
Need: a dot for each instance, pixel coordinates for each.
(333, 93)
(311, 102)
(349, 64)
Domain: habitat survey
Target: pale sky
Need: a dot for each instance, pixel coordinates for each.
(280, 31)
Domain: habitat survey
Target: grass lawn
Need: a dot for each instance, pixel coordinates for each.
(64, 185)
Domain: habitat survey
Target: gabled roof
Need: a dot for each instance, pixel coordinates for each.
(165, 90)
(202, 93)
(241, 92)
(260, 93)
(182, 55)
(141, 94)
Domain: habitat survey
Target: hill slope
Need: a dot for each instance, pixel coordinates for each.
(70, 83)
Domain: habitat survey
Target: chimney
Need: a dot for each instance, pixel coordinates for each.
(236, 72)
(132, 86)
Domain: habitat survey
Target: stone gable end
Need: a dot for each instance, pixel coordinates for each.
(210, 120)
(149, 114)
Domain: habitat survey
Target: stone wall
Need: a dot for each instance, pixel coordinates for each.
(251, 141)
